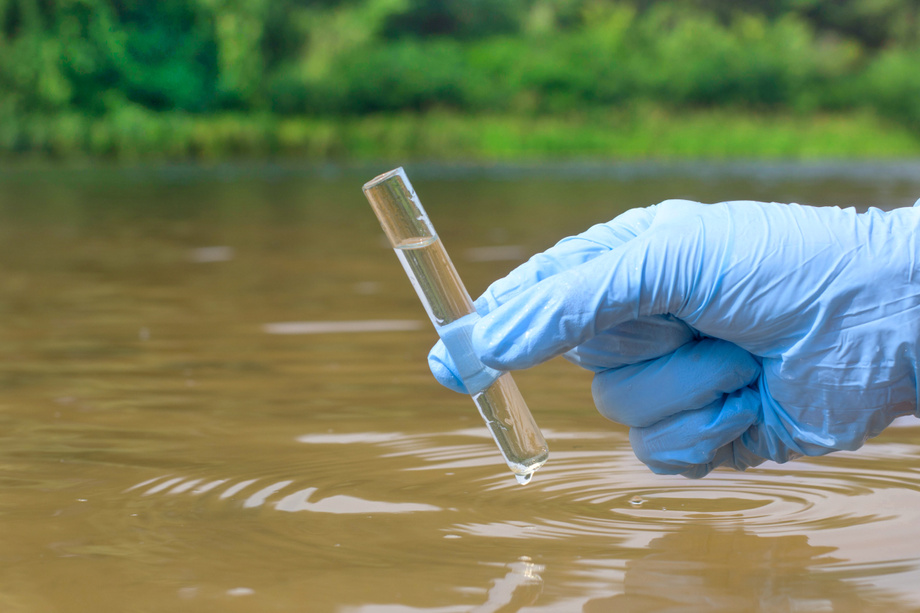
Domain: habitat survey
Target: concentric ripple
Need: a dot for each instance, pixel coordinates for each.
(593, 516)
(593, 486)
(592, 491)
(279, 495)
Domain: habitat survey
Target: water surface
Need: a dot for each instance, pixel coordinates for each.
(214, 397)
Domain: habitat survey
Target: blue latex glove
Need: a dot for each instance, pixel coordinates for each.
(826, 299)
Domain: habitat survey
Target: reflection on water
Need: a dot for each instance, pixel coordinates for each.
(215, 398)
(704, 562)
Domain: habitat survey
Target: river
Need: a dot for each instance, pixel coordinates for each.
(214, 397)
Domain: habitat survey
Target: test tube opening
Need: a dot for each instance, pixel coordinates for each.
(396, 172)
(399, 210)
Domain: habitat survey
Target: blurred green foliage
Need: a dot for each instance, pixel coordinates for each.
(214, 77)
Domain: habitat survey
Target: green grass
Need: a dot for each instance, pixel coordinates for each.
(622, 135)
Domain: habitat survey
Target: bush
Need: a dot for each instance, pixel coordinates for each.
(177, 76)
(892, 85)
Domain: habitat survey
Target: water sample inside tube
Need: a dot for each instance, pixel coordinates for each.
(451, 310)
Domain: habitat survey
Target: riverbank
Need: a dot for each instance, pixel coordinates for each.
(648, 134)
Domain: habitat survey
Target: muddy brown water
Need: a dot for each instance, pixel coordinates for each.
(195, 414)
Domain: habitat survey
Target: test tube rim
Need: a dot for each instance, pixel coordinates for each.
(382, 178)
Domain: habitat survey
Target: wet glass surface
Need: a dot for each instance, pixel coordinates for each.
(214, 397)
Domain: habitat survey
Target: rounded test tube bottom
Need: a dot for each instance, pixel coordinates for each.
(512, 426)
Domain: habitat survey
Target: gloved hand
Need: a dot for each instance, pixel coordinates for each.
(826, 300)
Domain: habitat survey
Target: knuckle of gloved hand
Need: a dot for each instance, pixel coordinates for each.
(737, 367)
(659, 453)
(676, 208)
(614, 397)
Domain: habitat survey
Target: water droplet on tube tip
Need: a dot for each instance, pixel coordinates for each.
(524, 478)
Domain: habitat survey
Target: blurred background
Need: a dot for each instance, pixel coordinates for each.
(459, 79)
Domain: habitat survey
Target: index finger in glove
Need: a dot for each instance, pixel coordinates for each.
(659, 272)
(567, 253)
(628, 343)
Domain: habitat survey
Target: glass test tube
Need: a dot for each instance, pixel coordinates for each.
(447, 302)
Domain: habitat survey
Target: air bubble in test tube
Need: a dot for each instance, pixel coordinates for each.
(452, 312)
